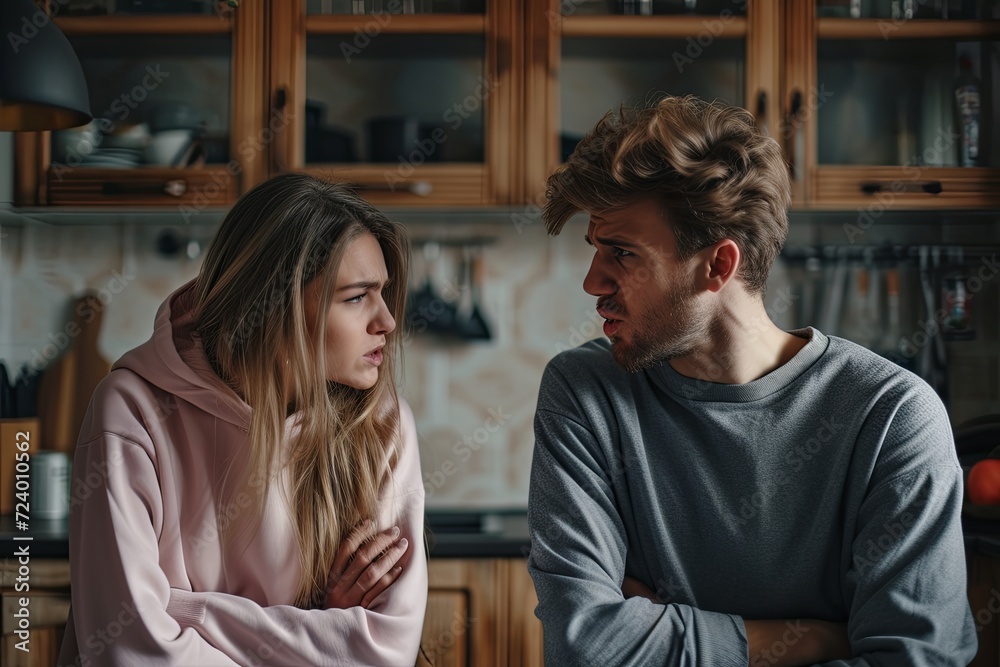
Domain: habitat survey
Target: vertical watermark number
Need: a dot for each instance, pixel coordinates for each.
(22, 517)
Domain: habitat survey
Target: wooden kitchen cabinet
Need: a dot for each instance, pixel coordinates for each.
(583, 61)
(413, 109)
(481, 612)
(475, 108)
(869, 104)
(48, 609)
(173, 72)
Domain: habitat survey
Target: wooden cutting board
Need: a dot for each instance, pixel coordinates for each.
(68, 382)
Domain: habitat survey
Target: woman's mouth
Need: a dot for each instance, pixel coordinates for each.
(375, 356)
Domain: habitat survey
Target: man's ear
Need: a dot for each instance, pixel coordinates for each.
(721, 263)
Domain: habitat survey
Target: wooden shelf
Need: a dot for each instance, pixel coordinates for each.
(400, 184)
(886, 29)
(400, 24)
(146, 25)
(734, 27)
(843, 187)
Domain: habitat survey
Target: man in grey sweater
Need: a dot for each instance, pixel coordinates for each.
(707, 489)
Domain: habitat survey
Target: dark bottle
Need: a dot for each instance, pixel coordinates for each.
(967, 89)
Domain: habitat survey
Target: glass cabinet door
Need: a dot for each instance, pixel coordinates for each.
(607, 53)
(162, 80)
(404, 99)
(905, 112)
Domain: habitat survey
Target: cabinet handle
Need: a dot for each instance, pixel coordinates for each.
(419, 188)
(930, 187)
(793, 133)
(762, 112)
(174, 187)
(278, 164)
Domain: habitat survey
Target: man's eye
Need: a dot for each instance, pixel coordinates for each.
(355, 299)
(619, 252)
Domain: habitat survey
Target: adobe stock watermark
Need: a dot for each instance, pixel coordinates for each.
(776, 651)
(455, 116)
(31, 25)
(593, 323)
(119, 111)
(985, 615)
(794, 461)
(437, 647)
(213, 527)
(910, 346)
(712, 29)
(86, 311)
(249, 148)
(363, 35)
(885, 197)
(99, 641)
(463, 450)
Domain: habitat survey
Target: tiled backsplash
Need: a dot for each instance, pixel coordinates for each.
(474, 401)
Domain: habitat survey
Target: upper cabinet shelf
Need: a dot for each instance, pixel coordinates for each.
(465, 103)
(887, 29)
(413, 24)
(652, 26)
(123, 24)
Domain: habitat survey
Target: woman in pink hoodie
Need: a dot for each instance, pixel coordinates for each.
(253, 489)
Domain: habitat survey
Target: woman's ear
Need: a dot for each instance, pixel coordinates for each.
(723, 262)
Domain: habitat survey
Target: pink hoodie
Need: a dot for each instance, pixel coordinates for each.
(151, 582)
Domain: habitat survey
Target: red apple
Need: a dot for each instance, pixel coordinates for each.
(984, 482)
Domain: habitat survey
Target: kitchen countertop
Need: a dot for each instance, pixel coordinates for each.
(452, 534)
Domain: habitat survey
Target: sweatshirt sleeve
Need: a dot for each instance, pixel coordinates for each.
(119, 594)
(906, 583)
(577, 560)
(385, 635)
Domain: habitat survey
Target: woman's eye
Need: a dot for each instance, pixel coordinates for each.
(356, 299)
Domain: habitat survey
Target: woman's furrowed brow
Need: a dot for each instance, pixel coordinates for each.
(361, 284)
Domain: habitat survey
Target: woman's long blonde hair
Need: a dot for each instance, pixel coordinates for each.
(276, 239)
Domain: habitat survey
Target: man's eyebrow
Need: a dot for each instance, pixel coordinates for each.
(616, 240)
(362, 284)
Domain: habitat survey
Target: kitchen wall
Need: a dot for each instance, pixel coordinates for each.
(473, 401)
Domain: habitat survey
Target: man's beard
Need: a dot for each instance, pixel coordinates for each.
(664, 332)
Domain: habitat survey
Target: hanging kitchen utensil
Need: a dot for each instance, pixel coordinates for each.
(833, 303)
(811, 293)
(852, 325)
(889, 347)
(7, 399)
(475, 326)
(956, 299)
(428, 311)
(932, 353)
(871, 313)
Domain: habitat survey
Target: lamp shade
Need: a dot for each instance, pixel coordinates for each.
(41, 81)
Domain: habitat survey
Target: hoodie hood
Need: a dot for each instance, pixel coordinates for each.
(174, 360)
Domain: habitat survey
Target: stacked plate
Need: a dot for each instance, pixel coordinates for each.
(113, 158)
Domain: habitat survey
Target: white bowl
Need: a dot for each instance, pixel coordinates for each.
(166, 147)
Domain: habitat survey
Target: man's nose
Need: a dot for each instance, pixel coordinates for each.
(598, 281)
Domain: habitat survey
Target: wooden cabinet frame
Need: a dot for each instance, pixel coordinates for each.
(38, 183)
(858, 187)
(521, 116)
(497, 599)
(448, 184)
(546, 26)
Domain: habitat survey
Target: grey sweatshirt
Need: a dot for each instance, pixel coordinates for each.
(827, 489)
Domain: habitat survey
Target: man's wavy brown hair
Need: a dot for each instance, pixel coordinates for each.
(717, 175)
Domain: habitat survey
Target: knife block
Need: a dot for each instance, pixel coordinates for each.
(9, 430)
